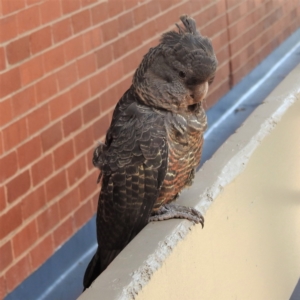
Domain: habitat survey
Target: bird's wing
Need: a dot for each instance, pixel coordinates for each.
(134, 166)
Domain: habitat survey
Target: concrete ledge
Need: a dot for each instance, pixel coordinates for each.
(132, 270)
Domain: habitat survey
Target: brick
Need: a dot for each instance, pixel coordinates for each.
(6, 255)
(46, 88)
(240, 10)
(99, 13)
(61, 30)
(67, 76)
(63, 154)
(110, 30)
(87, 2)
(40, 40)
(17, 273)
(12, 6)
(107, 100)
(104, 56)
(80, 93)
(130, 4)
(9, 28)
(120, 47)
(125, 22)
(140, 14)
(42, 169)
(100, 127)
(114, 7)
(98, 83)
(38, 119)
(95, 200)
(15, 134)
(29, 152)
(152, 8)
(86, 65)
(54, 58)
(10, 82)
(150, 30)
(223, 72)
(51, 136)
(89, 164)
(123, 86)
(60, 105)
(217, 94)
(92, 39)
(87, 187)
(3, 290)
(6, 113)
(47, 220)
(118, 92)
(115, 72)
(72, 122)
(232, 3)
(31, 2)
(131, 62)
(50, 10)
(33, 202)
(18, 186)
(23, 101)
(18, 50)
(83, 214)
(220, 41)
(69, 6)
(73, 48)
(32, 70)
(41, 252)
(63, 232)
(2, 198)
(214, 27)
(56, 185)
(68, 203)
(81, 20)
(24, 238)
(91, 110)
(134, 38)
(8, 166)
(2, 59)
(84, 140)
(28, 19)
(76, 170)
(1, 144)
(12, 219)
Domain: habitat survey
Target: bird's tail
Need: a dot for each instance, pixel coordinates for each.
(97, 265)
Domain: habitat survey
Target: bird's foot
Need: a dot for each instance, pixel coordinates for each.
(172, 210)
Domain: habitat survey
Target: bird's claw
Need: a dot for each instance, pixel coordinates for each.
(170, 211)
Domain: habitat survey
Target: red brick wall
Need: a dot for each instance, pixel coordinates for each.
(63, 66)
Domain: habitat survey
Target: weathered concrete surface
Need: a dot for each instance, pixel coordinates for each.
(249, 247)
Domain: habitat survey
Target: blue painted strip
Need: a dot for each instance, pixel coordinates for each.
(296, 292)
(60, 277)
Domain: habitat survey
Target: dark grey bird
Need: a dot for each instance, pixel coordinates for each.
(154, 142)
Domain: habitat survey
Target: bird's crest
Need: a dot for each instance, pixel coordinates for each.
(189, 25)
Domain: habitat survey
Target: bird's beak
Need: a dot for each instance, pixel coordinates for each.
(199, 93)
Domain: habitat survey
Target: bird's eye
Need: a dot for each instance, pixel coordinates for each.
(210, 81)
(182, 74)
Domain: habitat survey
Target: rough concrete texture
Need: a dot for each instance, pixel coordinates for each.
(151, 254)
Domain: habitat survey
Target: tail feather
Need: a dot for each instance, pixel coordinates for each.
(97, 265)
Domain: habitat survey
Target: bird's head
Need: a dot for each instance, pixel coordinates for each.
(176, 74)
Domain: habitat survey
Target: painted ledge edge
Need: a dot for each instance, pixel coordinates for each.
(134, 266)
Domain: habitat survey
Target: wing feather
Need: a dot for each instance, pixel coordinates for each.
(133, 168)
